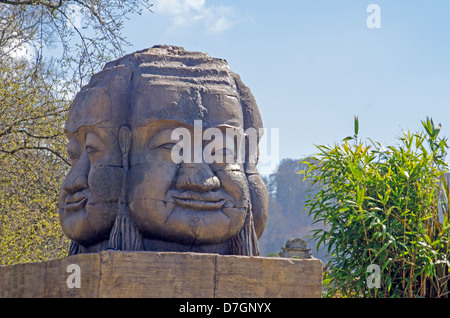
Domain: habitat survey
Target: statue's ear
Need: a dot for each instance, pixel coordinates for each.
(260, 202)
(125, 235)
(251, 157)
(124, 139)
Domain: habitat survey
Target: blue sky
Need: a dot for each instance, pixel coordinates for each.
(313, 65)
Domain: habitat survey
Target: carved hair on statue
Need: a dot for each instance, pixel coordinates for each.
(246, 241)
(74, 248)
(124, 234)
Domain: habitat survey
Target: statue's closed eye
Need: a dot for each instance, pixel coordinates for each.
(167, 146)
(73, 156)
(91, 150)
(223, 152)
(172, 147)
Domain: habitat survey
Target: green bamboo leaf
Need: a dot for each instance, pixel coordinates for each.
(427, 125)
(360, 196)
(427, 238)
(356, 125)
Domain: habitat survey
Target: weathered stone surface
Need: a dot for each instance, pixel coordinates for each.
(264, 277)
(16, 279)
(165, 274)
(49, 279)
(143, 274)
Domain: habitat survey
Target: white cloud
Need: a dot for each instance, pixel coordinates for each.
(185, 13)
(75, 15)
(17, 50)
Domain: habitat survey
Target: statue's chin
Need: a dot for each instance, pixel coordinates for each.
(170, 222)
(90, 224)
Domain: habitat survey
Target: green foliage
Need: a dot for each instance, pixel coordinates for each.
(272, 254)
(32, 163)
(384, 206)
(35, 93)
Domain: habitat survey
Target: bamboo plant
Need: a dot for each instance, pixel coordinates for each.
(386, 207)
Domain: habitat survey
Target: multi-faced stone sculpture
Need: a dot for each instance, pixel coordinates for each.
(126, 190)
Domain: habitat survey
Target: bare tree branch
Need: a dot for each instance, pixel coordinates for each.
(12, 152)
(49, 5)
(19, 3)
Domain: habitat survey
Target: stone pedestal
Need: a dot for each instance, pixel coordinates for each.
(165, 274)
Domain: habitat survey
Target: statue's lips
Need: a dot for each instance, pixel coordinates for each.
(76, 201)
(199, 201)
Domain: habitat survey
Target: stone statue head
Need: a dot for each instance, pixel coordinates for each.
(177, 106)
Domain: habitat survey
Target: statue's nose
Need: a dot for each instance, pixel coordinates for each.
(77, 179)
(196, 176)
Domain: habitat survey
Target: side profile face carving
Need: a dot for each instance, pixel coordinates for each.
(88, 199)
(166, 97)
(89, 194)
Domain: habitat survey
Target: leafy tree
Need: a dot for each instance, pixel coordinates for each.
(35, 93)
(32, 163)
(386, 207)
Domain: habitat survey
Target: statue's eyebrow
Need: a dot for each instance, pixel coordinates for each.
(227, 126)
(162, 136)
(73, 146)
(93, 139)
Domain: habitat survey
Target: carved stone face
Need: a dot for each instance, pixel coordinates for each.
(88, 197)
(189, 203)
(89, 194)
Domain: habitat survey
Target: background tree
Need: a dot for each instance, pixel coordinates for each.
(65, 42)
(287, 196)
